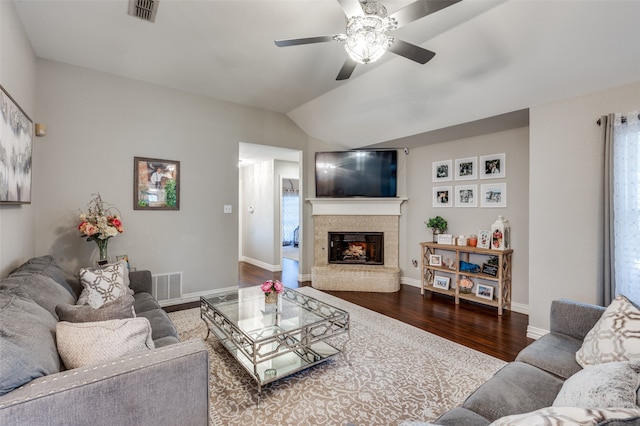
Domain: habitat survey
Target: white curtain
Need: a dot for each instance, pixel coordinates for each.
(626, 205)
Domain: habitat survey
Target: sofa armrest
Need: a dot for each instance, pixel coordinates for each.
(573, 318)
(165, 386)
(141, 281)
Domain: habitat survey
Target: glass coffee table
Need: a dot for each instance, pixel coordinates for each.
(274, 341)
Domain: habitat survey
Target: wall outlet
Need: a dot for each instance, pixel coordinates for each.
(227, 208)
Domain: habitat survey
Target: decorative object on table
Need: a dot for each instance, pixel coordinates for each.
(15, 152)
(490, 269)
(500, 231)
(466, 168)
(451, 263)
(469, 267)
(435, 260)
(484, 239)
(484, 291)
(445, 239)
(271, 290)
(441, 171)
(100, 223)
(465, 285)
(156, 184)
(493, 166)
(493, 195)
(462, 240)
(442, 196)
(441, 282)
(473, 240)
(438, 226)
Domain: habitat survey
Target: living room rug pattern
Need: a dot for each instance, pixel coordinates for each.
(396, 373)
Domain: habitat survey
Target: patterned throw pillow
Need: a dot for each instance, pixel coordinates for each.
(88, 343)
(615, 337)
(120, 308)
(102, 285)
(609, 385)
(566, 416)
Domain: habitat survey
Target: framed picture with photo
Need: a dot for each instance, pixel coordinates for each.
(483, 291)
(466, 195)
(493, 195)
(484, 239)
(435, 260)
(441, 282)
(466, 168)
(442, 196)
(493, 166)
(441, 171)
(156, 184)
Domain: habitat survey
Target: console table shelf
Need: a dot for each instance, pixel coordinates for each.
(501, 282)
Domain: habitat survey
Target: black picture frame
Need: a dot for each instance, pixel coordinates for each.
(156, 184)
(489, 269)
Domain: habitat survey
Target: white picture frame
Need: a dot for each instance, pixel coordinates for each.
(441, 282)
(483, 291)
(493, 166)
(441, 171)
(466, 195)
(442, 196)
(435, 260)
(484, 239)
(466, 168)
(445, 239)
(493, 195)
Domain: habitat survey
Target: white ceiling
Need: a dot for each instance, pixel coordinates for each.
(493, 57)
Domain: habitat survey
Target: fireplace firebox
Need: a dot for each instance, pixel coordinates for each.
(362, 248)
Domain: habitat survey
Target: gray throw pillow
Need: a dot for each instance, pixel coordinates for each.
(120, 308)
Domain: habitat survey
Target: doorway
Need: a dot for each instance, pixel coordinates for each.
(290, 218)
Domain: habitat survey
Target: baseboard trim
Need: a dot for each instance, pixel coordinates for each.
(410, 281)
(304, 278)
(261, 264)
(535, 332)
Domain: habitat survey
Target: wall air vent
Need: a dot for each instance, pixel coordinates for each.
(144, 9)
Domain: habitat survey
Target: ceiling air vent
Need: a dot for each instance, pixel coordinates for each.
(144, 9)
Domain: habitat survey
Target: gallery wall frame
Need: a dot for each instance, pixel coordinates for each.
(441, 282)
(466, 195)
(16, 144)
(441, 171)
(442, 196)
(156, 184)
(466, 168)
(493, 166)
(493, 195)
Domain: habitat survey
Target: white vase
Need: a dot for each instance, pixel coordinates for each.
(500, 231)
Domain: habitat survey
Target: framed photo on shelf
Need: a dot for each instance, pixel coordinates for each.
(493, 195)
(466, 168)
(484, 239)
(483, 291)
(445, 239)
(490, 269)
(442, 196)
(435, 260)
(441, 282)
(492, 166)
(156, 184)
(466, 195)
(441, 171)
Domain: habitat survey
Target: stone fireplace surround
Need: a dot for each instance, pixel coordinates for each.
(356, 215)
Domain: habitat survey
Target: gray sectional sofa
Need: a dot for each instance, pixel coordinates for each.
(535, 378)
(167, 385)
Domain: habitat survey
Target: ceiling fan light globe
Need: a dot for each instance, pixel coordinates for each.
(367, 46)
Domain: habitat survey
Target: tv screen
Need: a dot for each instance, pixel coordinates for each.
(356, 174)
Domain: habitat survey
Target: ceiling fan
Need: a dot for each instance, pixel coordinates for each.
(367, 23)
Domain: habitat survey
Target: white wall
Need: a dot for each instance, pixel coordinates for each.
(566, 198)
(419, 207)
(18, 77)
(97, 123)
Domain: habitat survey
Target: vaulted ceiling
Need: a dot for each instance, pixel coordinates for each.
(493, 57)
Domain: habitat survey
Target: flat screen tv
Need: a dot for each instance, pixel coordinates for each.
(356, 174)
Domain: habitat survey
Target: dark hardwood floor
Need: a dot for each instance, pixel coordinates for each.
(472, 325)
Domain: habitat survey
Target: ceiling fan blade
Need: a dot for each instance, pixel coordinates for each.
(306, 40)
(347, 69)
(411, 51)
(420, 9)
(351, 8)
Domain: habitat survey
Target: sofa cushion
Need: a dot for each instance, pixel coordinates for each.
(89, 343)
(120, 308)
(102, 284)
(162, 324)
(459, 416)
(145, 302)
(38, 287)
(566, 416)
(27, 342)
(615, 337)
(555, 353)
(47, 265)
(610, 385)
(516, 388)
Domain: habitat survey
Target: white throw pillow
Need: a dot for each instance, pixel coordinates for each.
(88, 343)
(103, 284)
(609, 385)
(566, 416)
(615, 337)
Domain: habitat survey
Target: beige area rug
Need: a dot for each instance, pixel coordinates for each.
(397, 373)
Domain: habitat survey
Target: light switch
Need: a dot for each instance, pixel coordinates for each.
(227, 208)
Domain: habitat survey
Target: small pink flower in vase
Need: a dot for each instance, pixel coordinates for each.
(271, 290)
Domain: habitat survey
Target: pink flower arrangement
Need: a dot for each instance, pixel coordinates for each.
(271, 286)
(99, 223)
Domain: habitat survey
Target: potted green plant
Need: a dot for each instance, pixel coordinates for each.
(438, 225)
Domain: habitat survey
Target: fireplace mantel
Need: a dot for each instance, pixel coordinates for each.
(356, 206)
